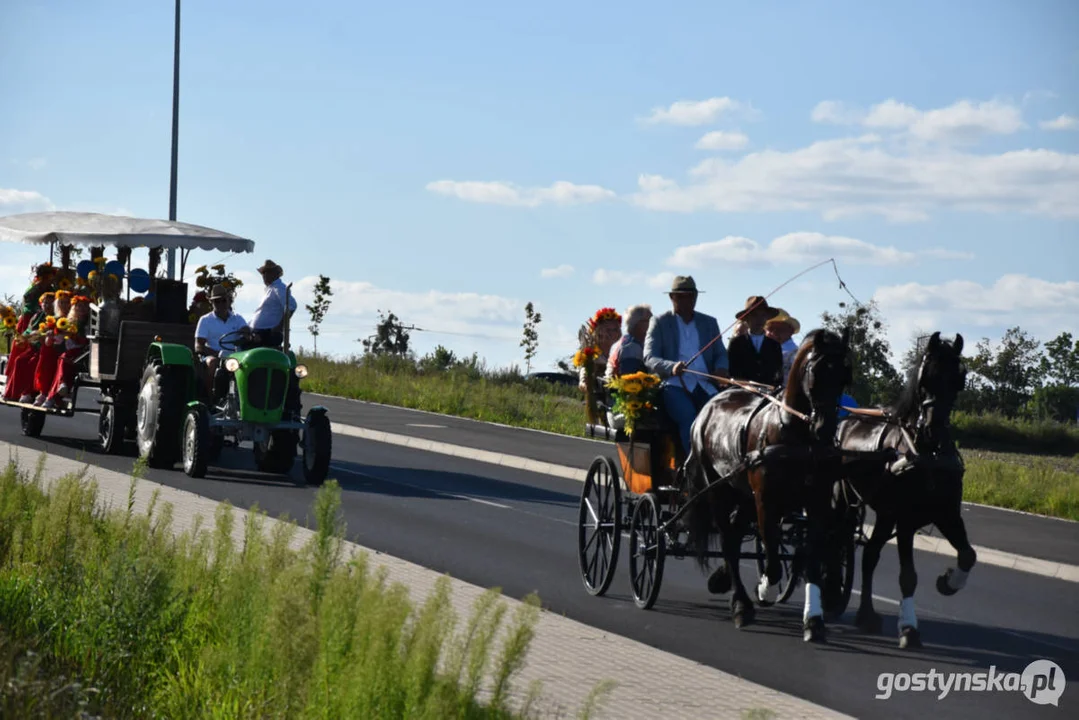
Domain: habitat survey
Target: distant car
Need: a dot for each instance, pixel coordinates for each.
(559, 378)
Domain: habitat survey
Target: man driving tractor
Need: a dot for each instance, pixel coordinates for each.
(208, 333)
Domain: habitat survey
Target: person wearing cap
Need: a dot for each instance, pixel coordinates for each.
(678, 340)
(269, 318)
(782, 328)
(755, 356)
(211, 328)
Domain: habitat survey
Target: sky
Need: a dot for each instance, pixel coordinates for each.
(452, 162)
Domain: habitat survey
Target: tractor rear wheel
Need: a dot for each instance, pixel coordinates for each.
(159, 414)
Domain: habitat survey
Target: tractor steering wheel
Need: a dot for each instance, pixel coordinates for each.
(234, 340)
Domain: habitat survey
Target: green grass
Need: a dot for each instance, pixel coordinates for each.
(1023, 482)
(996, 432)
(154, 623)
(467, 390)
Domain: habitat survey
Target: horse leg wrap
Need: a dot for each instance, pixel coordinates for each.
(812, 608)
(957, 579)
(907, 618)
(766, 591)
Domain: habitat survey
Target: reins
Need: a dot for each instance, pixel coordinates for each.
(749, 386)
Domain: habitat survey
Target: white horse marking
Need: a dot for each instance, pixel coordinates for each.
(766, 592)
(907, 618)
(812, 608)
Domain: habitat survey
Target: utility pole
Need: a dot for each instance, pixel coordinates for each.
(175, 135)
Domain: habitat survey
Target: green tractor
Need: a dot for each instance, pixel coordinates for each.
(256, 399)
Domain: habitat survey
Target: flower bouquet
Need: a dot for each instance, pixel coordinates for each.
(205, 278)
(8, 321)
(585, 357)
(636, 396)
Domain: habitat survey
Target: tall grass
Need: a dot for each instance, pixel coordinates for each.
(197, 625)
(996, 432)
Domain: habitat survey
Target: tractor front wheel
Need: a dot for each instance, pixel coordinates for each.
(197, 442)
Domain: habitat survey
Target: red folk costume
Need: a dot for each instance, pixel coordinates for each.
(24, 358)
(75, 342)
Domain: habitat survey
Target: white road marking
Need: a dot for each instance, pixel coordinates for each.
(424, 425)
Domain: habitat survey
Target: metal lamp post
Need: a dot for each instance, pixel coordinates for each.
(175, 135)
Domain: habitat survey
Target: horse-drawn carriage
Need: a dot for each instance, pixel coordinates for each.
(793, 479)
(643, 486)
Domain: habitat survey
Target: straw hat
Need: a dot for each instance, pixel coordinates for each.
(783, 317)
(219, 291)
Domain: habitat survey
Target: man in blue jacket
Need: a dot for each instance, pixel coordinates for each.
(673, 338)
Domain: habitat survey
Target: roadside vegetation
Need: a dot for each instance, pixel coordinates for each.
(114, 614)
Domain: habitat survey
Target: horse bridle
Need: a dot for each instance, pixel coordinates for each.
(925, 404)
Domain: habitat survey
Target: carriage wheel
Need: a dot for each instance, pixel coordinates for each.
(790, 545)
(648, 547)
(838, 581)
(599, 526)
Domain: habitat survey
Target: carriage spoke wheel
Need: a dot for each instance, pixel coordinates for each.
(790, 561)
(648, 547)
(599, 526)
(838, 580)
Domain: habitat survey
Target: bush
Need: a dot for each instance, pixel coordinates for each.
(194, 625)
(996, 432)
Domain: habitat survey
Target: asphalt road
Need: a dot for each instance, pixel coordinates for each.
(494, 526)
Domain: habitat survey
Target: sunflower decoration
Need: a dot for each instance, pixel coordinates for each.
(635, 396)
(65, 284)
(62, 325)
(9, 322)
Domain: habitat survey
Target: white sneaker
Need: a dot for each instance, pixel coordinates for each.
(48, 404)
(27, 399)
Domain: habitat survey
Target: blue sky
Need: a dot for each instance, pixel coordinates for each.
(435, 159)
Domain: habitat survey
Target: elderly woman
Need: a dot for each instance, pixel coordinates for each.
(627, 355)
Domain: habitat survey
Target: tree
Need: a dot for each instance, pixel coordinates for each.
(1013, 371)
(390, 338)
(319, 307)
(1060, 363)
(876, 381)
(530, 341)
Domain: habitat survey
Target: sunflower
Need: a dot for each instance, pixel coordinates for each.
(64, 284)
(92, 277)
(632, 387)
(100, 261)
(9, 322)
(62, 325)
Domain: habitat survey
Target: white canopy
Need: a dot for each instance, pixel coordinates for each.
(83, 228)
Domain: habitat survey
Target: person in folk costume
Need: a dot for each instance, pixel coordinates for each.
(755, 356)
(52, 346)
(44, 279)
(606, 328)
(22, 363)
(73, 330)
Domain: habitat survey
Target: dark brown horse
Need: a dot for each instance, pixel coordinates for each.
(772, 463)
(923, 485)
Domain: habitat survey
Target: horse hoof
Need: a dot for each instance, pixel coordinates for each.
(743, 615)
(869, 621)
(909, 638)
(814, 630)
(719, 582)
(943, 587)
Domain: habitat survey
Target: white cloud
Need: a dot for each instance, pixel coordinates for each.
(834, 112)
(658, 281)
(20, 201)
(1064, 122)
(562, 271)
(720, 140)
(857, 176)
(501, 193)
(698, 112)
(1040, 306)
(798, 247)
(962, 121)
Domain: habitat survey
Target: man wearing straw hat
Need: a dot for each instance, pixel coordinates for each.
(678, 340)
(269, 319)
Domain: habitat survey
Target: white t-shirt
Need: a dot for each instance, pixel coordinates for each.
(212, 328)
(271, 310)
